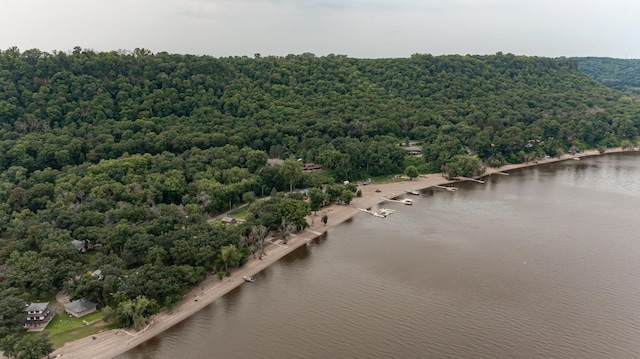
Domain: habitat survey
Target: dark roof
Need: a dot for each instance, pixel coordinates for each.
(36, 307)
(274, 162)
(79, 306)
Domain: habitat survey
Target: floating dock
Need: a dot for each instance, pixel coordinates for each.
(502, 173)
(413, 192)
(450, 189)
(375, 214)
(403, 201)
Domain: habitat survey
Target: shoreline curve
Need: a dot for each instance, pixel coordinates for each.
(111, 343)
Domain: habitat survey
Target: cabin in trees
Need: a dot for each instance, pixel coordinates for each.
(274, 162)
(38, 316)
(79, 246)
(413, 151)
(229, 221)
(311, 167)
(79, 308)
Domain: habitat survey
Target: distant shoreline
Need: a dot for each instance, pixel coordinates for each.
(111, 343)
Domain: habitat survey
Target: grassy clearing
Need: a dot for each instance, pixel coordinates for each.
(70, 335)
(65, 328)
(385, 179)
(242, 213)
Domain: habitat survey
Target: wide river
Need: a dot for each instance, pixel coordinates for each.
(544, 263)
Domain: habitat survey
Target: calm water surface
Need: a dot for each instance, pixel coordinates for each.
(544, 263)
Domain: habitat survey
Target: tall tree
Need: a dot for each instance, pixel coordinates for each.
(259, 236)
(411, 172)
(135, 312)
(291, 171)
(286, 229)
(11, 314)
(316, 197)
(229, 256)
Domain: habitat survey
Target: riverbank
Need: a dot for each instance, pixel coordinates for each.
(109, 344)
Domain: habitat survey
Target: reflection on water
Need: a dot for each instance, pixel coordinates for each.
(543, 263)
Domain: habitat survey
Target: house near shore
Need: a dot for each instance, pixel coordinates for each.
(229, 221)
(79, 308)
(38, 316)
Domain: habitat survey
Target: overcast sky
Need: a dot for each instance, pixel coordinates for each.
(357, 28)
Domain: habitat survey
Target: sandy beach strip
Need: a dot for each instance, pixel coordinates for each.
(111, 343)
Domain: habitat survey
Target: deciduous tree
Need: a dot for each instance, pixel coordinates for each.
(291, 171)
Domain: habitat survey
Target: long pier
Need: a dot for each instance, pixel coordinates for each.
(469, 179)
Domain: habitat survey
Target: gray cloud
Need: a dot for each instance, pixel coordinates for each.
(360, 28)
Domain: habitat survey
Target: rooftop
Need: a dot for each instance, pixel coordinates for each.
(36, 307)
(79, 305)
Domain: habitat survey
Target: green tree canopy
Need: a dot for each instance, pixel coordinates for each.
(291, 171)
(464, 166)
(411, 172)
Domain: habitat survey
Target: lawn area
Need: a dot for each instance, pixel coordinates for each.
(65, 328)
(385, 179)
(241, 213)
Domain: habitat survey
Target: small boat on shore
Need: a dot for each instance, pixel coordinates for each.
(407, 201)
(248, 279)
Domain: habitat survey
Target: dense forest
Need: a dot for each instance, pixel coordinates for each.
(619, 74)
(130, 153)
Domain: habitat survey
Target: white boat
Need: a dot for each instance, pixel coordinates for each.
(407, 201)
(413, 192)
(248, 279)
(386, 211)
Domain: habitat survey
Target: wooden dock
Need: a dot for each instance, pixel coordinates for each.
(502, 173)
(469, 179)
(413, 192)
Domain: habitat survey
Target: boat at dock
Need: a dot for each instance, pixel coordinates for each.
(248, 279)
(450, 189)
(402, 200)
(386, 211)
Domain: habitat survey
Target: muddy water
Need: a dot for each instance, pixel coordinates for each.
(544, 263)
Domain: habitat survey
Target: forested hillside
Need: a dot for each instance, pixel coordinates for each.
(129, 154)
(619, 74)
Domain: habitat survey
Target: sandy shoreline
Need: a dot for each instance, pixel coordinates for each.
(111, 343)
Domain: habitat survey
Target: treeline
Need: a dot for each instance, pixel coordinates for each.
(70, 108)
(619, 74)
(130, 153)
